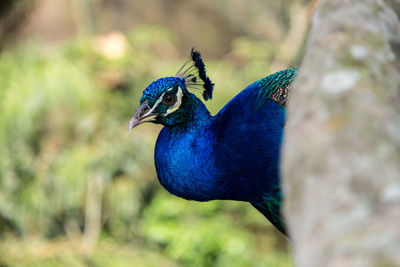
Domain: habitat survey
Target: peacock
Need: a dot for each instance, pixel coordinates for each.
(233, 155)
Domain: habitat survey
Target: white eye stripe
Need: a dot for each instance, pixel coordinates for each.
(177, 104)
(175, 107)
(156, 104)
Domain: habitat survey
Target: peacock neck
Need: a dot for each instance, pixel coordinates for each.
(184, 159)
(198, 116)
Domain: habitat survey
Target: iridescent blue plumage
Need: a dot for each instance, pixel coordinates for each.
(233, 155)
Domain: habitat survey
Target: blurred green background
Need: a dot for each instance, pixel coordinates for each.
(75, 188)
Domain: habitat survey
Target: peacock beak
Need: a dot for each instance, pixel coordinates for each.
(143, 112)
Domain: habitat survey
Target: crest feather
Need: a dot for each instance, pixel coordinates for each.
(195, 75)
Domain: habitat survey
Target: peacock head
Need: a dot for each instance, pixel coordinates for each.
(168, 101)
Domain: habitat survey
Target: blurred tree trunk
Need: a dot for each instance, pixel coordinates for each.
(13, 14)
(341, 159)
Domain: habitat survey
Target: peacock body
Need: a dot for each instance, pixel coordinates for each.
(233, 155)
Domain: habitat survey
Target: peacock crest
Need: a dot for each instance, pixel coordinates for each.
(195, 75)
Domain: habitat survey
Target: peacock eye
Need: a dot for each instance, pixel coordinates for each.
(169, 99)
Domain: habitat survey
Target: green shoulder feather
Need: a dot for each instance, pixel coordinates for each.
(276, 87)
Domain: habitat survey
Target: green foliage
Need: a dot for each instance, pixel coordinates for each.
(64, 142)
(211, 234)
